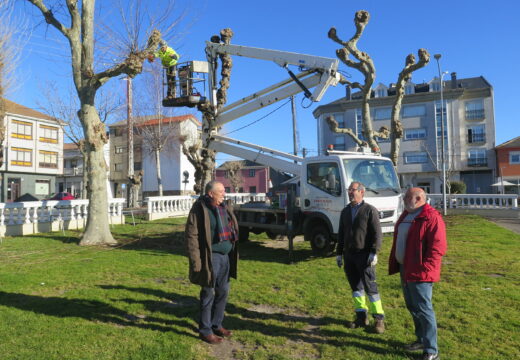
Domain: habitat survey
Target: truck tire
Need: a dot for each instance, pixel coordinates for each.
(243, 233)
(321, 243)
(274, 236)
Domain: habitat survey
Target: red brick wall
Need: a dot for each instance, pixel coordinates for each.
(503, 166)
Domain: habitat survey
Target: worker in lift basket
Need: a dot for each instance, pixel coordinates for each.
(169, 58)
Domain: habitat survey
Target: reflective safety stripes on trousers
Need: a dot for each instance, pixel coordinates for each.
(375, 304)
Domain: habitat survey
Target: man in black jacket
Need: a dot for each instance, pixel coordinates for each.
(359, 240)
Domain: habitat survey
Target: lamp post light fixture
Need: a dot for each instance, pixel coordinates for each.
(443, 158)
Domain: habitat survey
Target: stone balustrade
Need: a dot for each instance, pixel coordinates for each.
(31, 217)
(160, 207)
(476, 201)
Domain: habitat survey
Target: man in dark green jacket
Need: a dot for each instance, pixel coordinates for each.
(211, 237)
(359, 240)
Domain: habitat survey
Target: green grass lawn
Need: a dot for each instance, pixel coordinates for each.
(62, 301)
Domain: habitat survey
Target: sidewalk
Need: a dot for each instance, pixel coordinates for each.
(511, 224)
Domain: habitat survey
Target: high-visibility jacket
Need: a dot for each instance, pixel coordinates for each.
(168, 57)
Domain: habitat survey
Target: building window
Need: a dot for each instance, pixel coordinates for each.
(477, 157)
(117, 131)
(382, 114)
(21, 157)
(359, 124)
(339, 142)
(438, 119)
(409, 89)
(252, 172)
(426, 186)
(48, 134)
(415, 134)
(226, 174)
(48, 159)
(514, 157)
(118, 167)
(435, 85)
(416, 157)
(119, 149)
(340, 119)
(227, 189)
(252, 189)
(138, 166)
(381, 92)
(474, 110)
(241, 190)
(21, 129)
(414, 110)
(477, 134)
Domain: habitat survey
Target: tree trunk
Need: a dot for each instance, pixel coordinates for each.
(158, 166)
(97, 231)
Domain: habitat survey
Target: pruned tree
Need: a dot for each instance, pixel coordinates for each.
(405, 75)
(64, 108)
(199, 154)
(234, 171)
(80, 35)
(365, 65)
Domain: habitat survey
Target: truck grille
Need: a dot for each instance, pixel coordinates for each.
(386, 214)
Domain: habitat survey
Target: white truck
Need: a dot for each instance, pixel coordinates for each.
(317, 193)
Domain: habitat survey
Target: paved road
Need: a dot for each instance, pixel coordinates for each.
(511, 224)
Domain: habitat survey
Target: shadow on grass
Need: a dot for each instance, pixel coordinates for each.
(90, 310)
(240, 318)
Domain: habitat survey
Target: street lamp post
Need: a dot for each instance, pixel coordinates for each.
(443, 158)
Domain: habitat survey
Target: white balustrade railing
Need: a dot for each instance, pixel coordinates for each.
(160, 207)
(30, 217)
(475, 201)
(242, 198)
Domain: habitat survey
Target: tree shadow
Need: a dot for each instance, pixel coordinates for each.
(90, 310)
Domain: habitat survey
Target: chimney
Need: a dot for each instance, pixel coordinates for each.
(453, 80)
(348, 92)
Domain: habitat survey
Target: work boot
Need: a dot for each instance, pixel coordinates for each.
(361, 320)
(379, 326)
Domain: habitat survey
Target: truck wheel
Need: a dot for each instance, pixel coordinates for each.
(320, 241)
(274, 236)
(243, 234)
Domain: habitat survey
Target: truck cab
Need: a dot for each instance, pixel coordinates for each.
(323, 193)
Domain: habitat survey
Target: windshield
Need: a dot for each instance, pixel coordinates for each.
(375, 174)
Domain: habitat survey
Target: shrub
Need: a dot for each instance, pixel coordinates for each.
(457, 187)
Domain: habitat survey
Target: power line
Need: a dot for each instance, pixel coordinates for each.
(263, 117)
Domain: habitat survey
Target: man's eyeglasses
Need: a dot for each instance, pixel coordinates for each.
(352, 189)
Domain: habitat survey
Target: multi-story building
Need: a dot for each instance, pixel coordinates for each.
(176, 171)
(469, 130)
(33, 153)
(251, 178)
(508, 165)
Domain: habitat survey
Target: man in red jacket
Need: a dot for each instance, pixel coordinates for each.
(417, 250)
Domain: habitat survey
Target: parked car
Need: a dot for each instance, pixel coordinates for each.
(62, 196)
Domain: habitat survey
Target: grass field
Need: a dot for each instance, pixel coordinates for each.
(62, 301)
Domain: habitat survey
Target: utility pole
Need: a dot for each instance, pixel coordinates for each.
(130, 150)
(443, 156)
(295, 128)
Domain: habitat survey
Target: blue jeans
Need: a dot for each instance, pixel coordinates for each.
(213, 299)
(418, 298)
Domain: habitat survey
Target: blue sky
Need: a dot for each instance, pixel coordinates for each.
(475, 38)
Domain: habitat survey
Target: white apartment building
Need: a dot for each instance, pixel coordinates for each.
(178, 175)
(33, 153)
(469, 121)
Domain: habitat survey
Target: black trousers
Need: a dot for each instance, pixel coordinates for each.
(360, 275)
(213, 300)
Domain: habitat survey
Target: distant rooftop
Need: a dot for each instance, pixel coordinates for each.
(151, 120)
(14, 108)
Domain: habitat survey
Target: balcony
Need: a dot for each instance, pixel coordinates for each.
(72, 171)
(477, 162)
(475, 114)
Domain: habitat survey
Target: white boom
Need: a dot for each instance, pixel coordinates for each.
(278, 160)
(319, 72)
